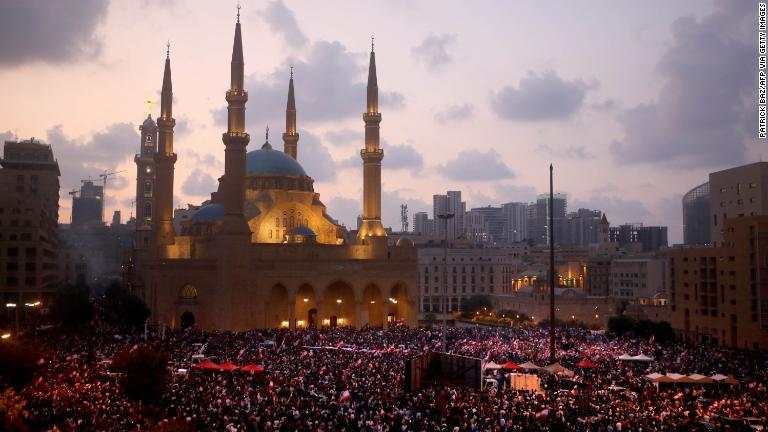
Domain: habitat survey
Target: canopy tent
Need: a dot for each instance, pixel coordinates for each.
(557, 368)
(492, 365)
(206, 364)
(586, 364)
(722, 379)
(626, 357)
(510, 365)
(228, 366)
(642, 357)
(252, 368)
(700, 379)
(529, 366)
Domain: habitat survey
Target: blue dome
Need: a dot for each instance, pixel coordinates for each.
(149, 123)
(302, 230)
(269, 162)
(209, 213)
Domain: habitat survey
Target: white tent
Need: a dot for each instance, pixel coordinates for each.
(722, 379)
(654, 376)
(492, 365)
(675, 376)
(642, 357)
(530, 366)
(557, 368)
(626, 357)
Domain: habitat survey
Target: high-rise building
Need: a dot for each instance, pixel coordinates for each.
(718, 294)
(29, 214)
(476, 227)
(736, 192)
(423, 225)
(515, 221)
(494, 219)
(541, 229)
(696, 222)
(87, 207)
(637, 278)
(650, 238)
(581, 227)
(449, 203)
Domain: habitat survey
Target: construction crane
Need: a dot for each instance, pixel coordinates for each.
(72, 193)
(104, 176)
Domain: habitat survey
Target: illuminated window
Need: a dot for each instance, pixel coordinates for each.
(147, 210)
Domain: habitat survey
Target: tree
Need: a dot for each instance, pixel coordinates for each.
(72, 305)
(430, 318)
(663, 332)
(620, 324)
(18, 363)
(144, 372)
(121, 308)
(476, 303)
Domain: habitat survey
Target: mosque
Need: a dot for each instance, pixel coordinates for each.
(264, 252)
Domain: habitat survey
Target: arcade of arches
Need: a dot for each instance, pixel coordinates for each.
(337, 304)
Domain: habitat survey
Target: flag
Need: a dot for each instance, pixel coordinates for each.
(652, 340)
(344, 396)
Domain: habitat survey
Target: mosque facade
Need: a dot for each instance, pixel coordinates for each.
(264, 252)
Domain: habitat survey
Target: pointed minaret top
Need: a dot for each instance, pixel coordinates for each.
(166, 95)
(168, 49)
(237, 57)
(373, 87)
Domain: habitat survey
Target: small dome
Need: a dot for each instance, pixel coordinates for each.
(303, 231)
(269, 162)
(148, 122)
(404, 242)
(209, 213)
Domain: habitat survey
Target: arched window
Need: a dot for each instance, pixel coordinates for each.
(188, 292)
(147, 210)
(148, 189)
(277, 222)
(291, 224)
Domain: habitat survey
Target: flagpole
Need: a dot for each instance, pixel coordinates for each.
(551, 270)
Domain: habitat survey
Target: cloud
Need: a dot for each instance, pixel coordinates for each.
(345, 210)
(433, 50)
(540, 97)
(506, 192)
(607, 105)
(206, 159)
(182, 128)
(567, 152)
(390, 207)
(328, 83)
(315, 157)
(668, 212)
(51, 32)
(82, 158)
(282, 21)
(343, 137)
(705, 110)
(476, 165)
(402, 156)
(199, 183)
(455, 113)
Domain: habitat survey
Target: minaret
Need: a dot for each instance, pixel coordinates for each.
(603, 230)
(372, 155)
(235, 141)
(145, 177)
(291, 136)
(165, 159)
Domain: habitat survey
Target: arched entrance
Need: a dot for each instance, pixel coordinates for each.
(397, 304)
(277, 308)
(306, 307)
(187, 320)
(372, 306)
(339, 305)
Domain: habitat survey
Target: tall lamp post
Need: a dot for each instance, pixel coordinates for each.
(551, 271)
(444, 218)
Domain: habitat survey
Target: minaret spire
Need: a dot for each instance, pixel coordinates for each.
(372, 155)
(235, 142)
(291, 135)
(165, 159)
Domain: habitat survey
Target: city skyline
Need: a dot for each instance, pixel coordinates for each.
(434, 140)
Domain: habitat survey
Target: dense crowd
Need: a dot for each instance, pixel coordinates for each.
(345, 379)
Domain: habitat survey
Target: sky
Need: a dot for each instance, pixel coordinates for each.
(633, 102)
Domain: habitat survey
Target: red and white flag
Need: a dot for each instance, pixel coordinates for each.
(345, 396)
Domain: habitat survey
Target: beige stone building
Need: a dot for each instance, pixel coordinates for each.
(29, 213)
(719, 295)
(264, 252)
(736, 192)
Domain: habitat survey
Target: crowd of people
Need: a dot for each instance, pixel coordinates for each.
(353, 380)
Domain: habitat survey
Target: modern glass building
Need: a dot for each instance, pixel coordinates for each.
(696, 224)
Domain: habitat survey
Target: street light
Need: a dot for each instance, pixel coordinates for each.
(5, 336)
(444, 218)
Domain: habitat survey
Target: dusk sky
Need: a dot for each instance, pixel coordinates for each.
(633, 102)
